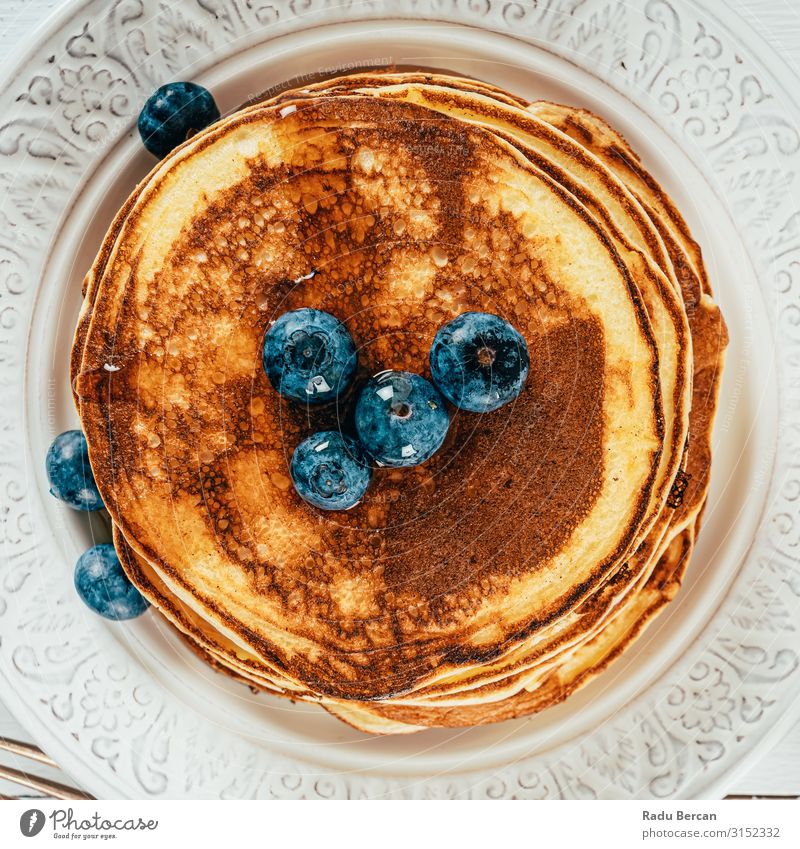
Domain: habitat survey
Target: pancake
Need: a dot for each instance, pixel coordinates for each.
(387, 616)
(153, 268)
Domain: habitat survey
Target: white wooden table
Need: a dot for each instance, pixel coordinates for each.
(778, 21)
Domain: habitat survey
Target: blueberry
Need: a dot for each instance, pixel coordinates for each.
(479, 362)
(173, 113)
(103, 585)
(69, 472)
(330, 471)
(309, 356)
(401, 419)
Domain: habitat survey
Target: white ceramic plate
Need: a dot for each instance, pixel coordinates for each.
(125, 708)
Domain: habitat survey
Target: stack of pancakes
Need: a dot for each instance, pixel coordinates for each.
(508, 570)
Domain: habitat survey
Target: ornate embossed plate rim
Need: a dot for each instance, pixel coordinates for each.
(541, 775)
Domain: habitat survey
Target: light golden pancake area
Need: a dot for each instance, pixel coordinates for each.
(512, 567)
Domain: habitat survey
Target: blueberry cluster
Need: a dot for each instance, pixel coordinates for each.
(99, 577)
(478, 363)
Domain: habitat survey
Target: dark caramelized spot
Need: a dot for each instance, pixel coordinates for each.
(475, 529)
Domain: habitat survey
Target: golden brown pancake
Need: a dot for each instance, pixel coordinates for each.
(424, 625)
(163, 306)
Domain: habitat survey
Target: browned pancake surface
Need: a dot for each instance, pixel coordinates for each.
(501, 498)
